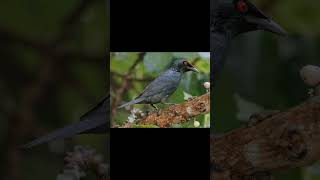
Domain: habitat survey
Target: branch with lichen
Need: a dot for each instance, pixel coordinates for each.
(276, 141)
(82, 160)
(174, 114)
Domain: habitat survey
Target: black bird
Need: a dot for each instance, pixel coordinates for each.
(163, 86)
(93, 122)
(230, 18)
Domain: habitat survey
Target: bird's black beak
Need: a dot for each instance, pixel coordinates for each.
(192, 68)
(262, 22)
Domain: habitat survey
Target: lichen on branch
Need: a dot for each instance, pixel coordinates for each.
(179, 113)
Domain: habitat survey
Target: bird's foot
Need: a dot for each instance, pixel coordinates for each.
(153, 110)
(155, 107)
(191, 98)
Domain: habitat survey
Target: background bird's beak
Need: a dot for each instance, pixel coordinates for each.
(266, 24)
(263, 22)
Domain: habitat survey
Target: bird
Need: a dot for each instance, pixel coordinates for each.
(230, 18)
(161, 88)
(94, 121)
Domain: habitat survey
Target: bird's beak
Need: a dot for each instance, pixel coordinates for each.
(193, 69)
(266, 24)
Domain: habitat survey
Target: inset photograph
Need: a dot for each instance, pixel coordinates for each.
(160, 89)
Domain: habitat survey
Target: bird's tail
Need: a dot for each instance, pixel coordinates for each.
(95, 121)
(68, 131)
(135, 101)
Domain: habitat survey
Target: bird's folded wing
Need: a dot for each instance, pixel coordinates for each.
(163, 82)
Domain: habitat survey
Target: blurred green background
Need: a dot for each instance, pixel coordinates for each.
(262, 70)
(128, 83)
(53, 70)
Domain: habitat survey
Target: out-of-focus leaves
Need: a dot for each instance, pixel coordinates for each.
(157, 61)
(202, 66)
(122, 62)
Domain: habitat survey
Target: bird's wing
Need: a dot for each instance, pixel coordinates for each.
(95, 121)
(165, 81)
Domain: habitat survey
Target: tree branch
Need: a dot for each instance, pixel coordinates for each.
(178, 113)
(281, 141)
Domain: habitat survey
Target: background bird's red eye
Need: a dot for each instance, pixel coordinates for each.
(242, 6)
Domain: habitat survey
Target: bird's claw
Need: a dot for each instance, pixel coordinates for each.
(191, 98)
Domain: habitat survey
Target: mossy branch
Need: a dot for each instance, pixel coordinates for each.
(174, 114)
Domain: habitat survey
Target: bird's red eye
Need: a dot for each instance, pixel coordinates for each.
(242, 6)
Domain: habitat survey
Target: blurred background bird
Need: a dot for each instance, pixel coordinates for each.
(164, 85)
(230, 18)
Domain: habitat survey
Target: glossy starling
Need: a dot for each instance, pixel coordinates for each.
(163, 86)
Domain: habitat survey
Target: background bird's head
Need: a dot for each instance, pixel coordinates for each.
(182, 65)
(240, 16)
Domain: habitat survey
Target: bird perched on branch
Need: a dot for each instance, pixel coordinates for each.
(163, 86)
(230, 18)
(95, 121)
